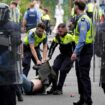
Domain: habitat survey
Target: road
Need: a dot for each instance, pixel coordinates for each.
(70, 88)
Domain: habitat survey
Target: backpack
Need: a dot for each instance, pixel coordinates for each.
(45, 72)
(31, 19)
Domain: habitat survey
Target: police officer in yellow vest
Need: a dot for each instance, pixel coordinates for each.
(83, 54)
(31, 44)
(62, 62)
(90, 9)
(46, 20)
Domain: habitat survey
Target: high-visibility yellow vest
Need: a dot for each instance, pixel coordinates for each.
(90, 7)
(68, 38)
(46, 17)
(38, 40)
(72, 12)
(89, 37)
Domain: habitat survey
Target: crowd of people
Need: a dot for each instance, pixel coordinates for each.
(75, 46)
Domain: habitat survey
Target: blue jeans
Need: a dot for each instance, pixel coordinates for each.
(27, 85)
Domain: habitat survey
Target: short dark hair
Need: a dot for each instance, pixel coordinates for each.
(63, 25)
(46, 10)
(81, 5)
(41, 25)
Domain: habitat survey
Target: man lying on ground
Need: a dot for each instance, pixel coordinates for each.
(39, 85)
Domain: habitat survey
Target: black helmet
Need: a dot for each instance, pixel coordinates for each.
(4, 13)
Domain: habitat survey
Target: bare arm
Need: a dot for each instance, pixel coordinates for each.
(24, 22)
(44, 52)
(37, 84)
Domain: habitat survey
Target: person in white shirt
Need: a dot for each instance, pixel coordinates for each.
(59, 13)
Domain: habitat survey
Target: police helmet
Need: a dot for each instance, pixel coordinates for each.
(4, 12)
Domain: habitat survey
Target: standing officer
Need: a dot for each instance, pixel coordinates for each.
(62, 62)
(90, 9)
(31, 44)
(10, 41)
(83, 54)
(46, 20)
(31, 18)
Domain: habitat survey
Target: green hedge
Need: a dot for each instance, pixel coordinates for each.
(6, 1)
(49, 4)
(24, 4)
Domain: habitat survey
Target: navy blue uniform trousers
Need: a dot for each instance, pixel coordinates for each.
(82, 71)
(28, 57)
(63, 64)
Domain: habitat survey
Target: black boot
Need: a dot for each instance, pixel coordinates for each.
(57, 92)
(20, 98)
(19, 93)
(51, 90)
(80, 102)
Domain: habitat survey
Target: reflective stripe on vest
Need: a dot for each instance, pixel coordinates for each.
(38, 40)
(68, 38)
(89, 37)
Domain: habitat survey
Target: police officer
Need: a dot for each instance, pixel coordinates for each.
(90, 9)
(31, 18)
(9, 41)
(83, 54)
(46, 20)
(31, 44)
(62, 62)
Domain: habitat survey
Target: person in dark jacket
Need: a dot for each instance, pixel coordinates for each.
(100, 51)
(9, 43)
(62, 62)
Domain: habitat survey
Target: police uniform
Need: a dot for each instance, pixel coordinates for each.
(32, 37)
(90, 8)
(62, 62)
(46, 20)
(32, 18)
(84, 51)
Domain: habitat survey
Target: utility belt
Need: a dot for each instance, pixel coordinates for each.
(66, 49)
(67, 53)
(88, 45)
(87, 49)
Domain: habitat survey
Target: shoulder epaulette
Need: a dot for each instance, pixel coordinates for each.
(82, 19)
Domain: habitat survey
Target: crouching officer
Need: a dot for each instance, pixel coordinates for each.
(31, 44)
(62, 62)
(10, 64)
(83, 54)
